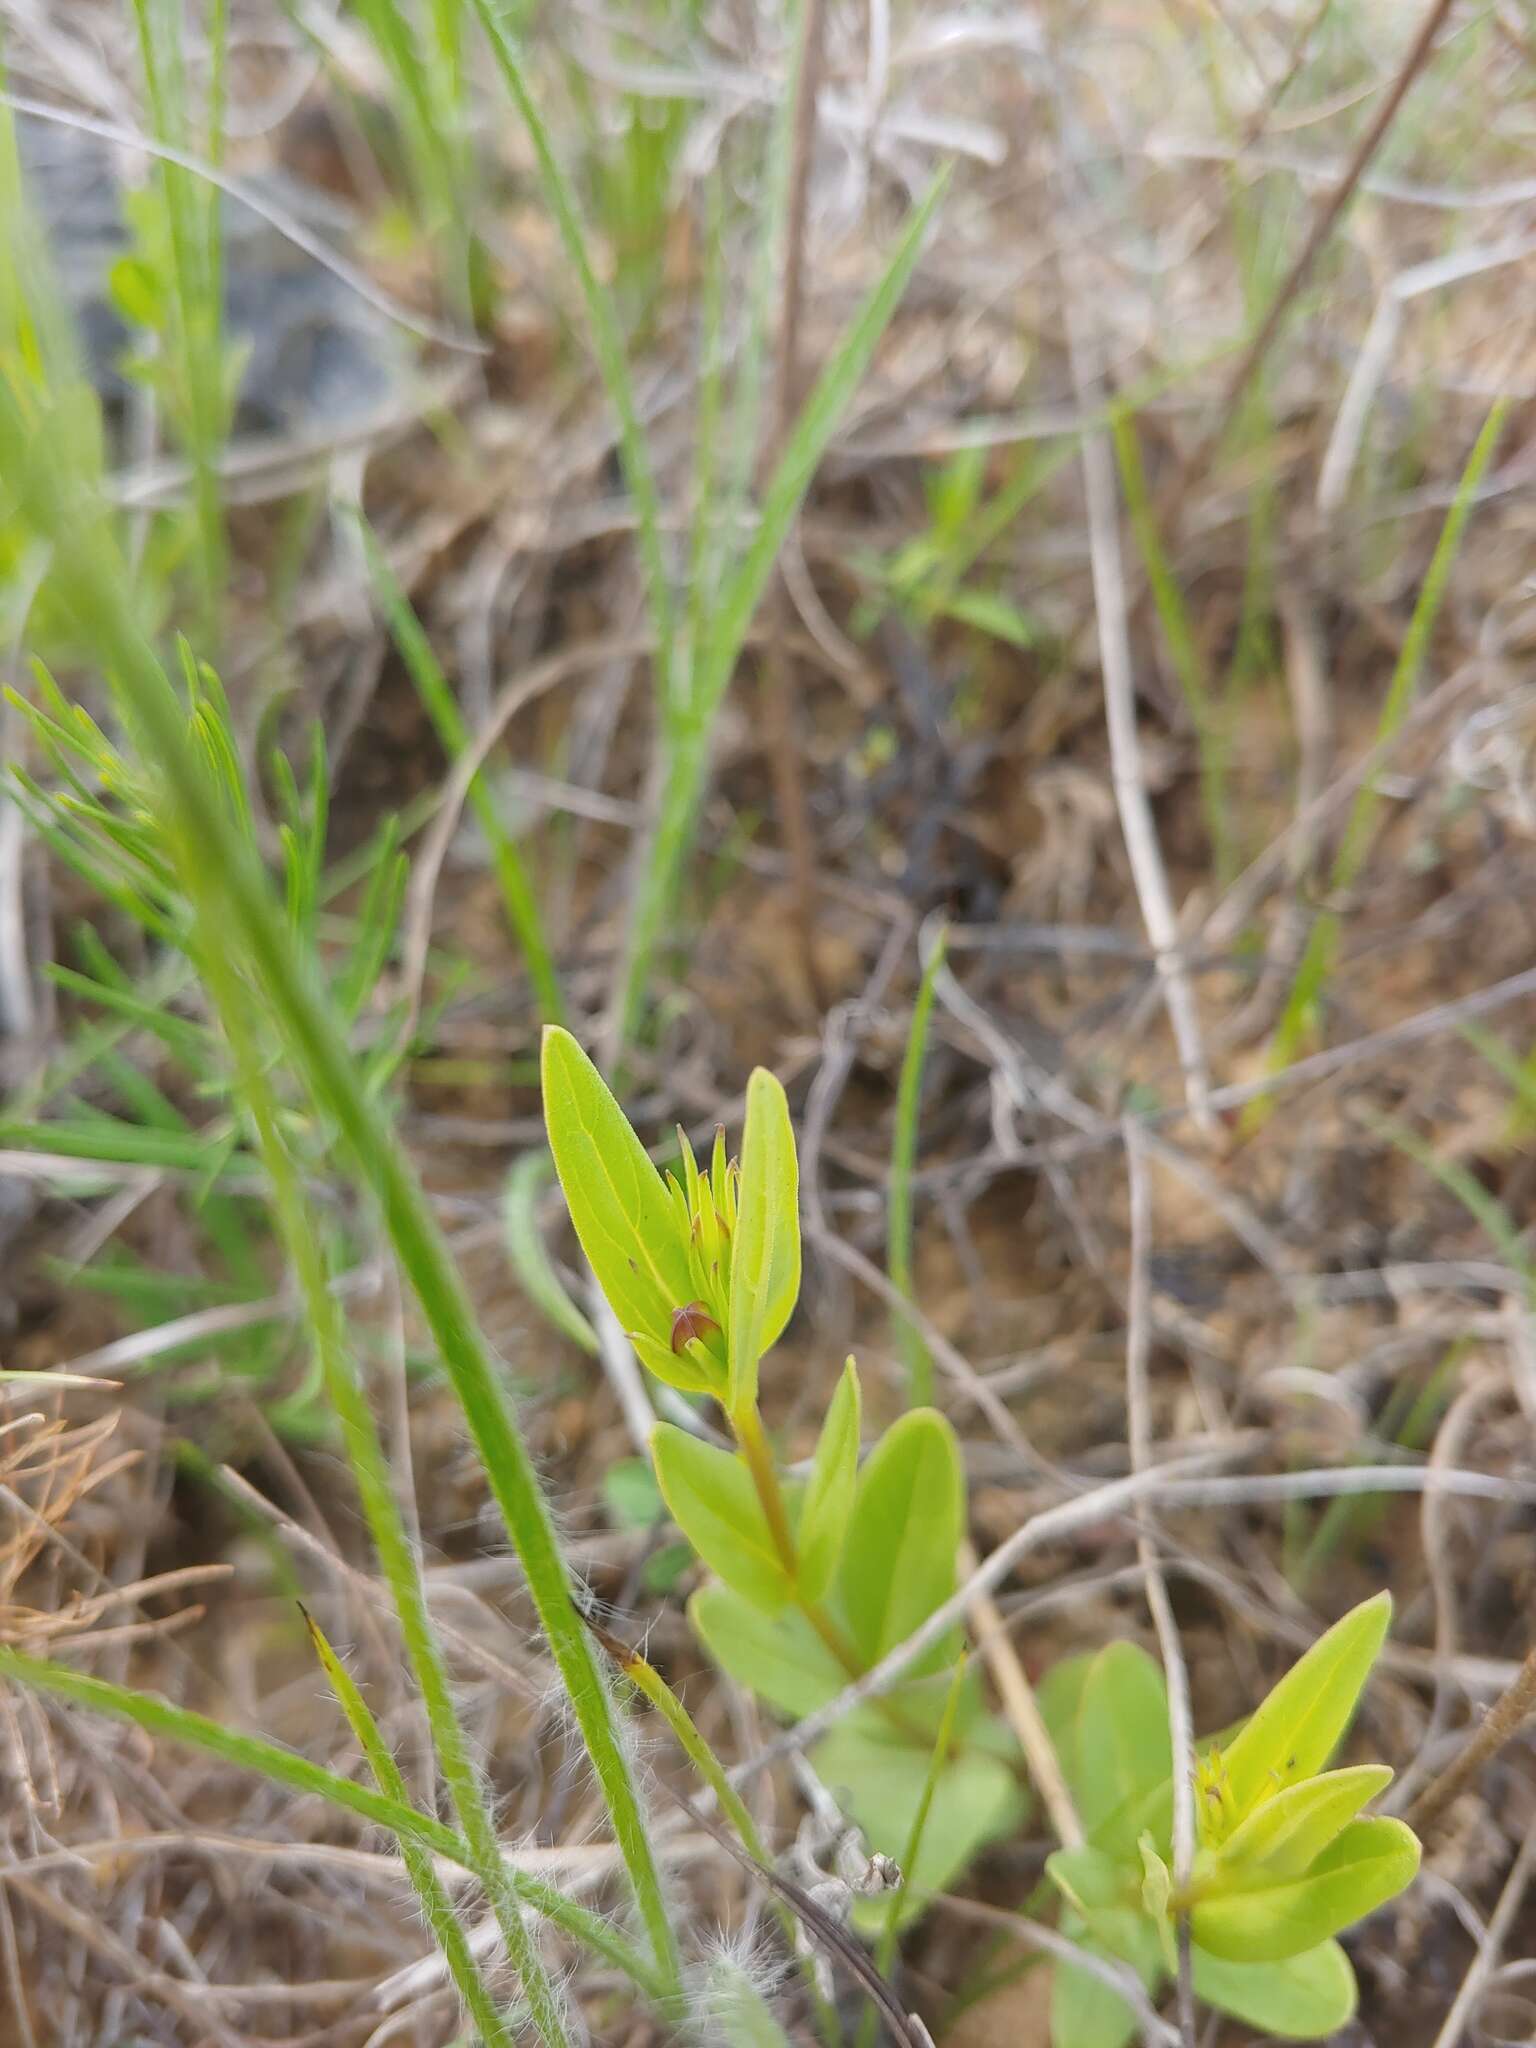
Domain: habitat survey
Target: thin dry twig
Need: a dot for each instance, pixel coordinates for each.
(1503, 1721)
(1483, 1963)
(1127, 774)
(1446, 1451)
(952, 1361)
(1025, 1718)
(376, 1594)
(1324, 223)
(1169, 1485)
(1052, 1524)
(1138, 1404)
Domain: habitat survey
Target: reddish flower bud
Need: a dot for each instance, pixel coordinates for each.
(693, 1321)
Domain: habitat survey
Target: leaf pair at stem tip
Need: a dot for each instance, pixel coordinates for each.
(703, 1273)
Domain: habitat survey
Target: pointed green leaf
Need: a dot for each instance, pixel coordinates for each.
(1369, 1863)
(780, 1656)
(828, 1500)
(989, 611)
(710, 1495)
(1285, 1835)
(619, 1203)
(1123, 1743)
(1300, 1999)
(1299, 1724)
(765, 1250)
(899, 1553)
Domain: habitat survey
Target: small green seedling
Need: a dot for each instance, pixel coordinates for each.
(815, 1579)
(1283, 1861)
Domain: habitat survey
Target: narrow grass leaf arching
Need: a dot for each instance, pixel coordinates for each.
(296, 1773)
(447, 1930)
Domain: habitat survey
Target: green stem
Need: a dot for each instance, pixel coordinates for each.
(304, 1241)
(447, 1931)
(885, 1949)
(898, 1258)
(648, 1680)
(752, 1441)
(286, 1767)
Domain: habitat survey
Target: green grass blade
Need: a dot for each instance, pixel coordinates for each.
(1409, 1420)
(1519, 1073)
(1488, 1210)
(517, 891)
(1312, 976)
(182, 1039)
(606, 335)
(752, 378)
(885, 1949)
(807, 443)
(710, 512)
(438, 129)
(992, 520)
(1183, 648)
(196, 340)
(119, 1144)
(304, 1238)
(732, 615)
(909, 1093)
(447, 1931)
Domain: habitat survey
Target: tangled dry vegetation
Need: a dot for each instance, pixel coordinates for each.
(1129, 809)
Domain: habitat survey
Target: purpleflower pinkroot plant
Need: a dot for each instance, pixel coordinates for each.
(814, 1578)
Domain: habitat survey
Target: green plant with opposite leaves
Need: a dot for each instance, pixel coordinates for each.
(1283, 1861)
(817, 1577)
